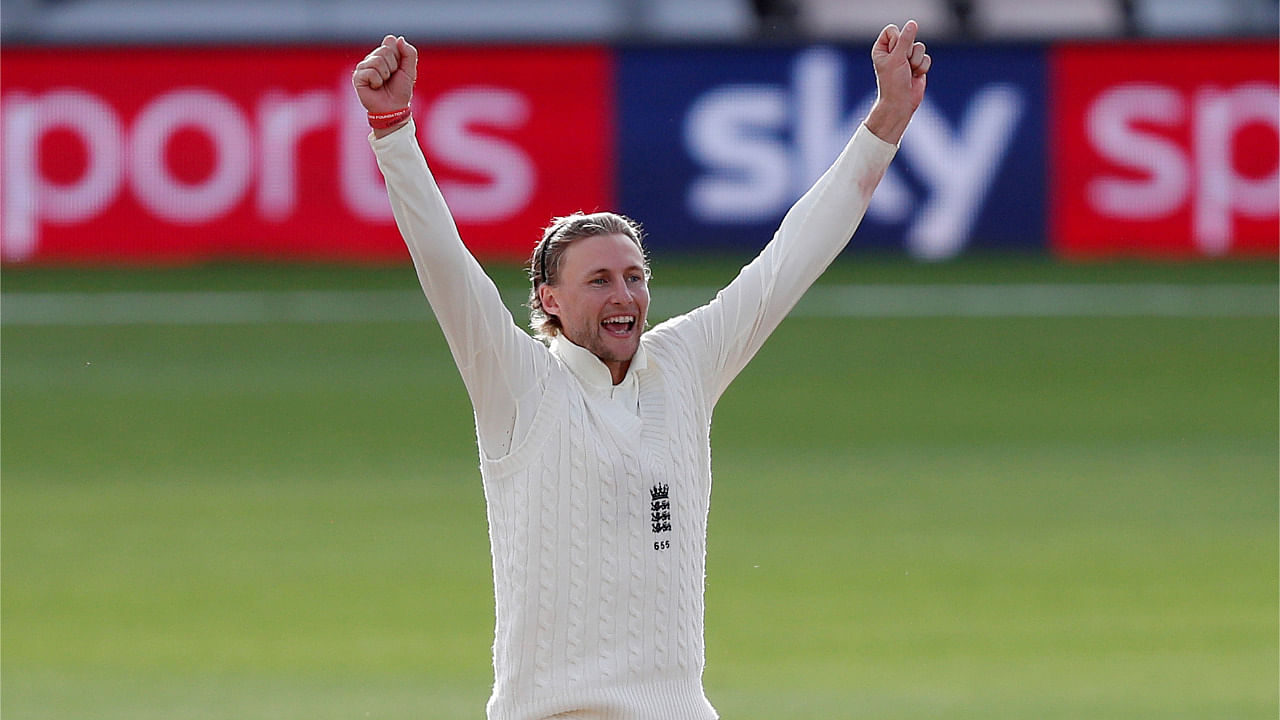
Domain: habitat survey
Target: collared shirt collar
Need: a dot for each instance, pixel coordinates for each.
(591, 370)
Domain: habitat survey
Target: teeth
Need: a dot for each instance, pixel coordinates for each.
(621, 319)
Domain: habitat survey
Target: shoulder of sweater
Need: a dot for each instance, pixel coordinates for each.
(669, 350)
(664, 338)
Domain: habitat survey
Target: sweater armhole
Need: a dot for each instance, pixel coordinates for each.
(549, 415)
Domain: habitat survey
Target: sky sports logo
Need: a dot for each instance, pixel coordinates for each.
(1095, 150)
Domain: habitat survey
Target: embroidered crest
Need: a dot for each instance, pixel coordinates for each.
(660, 513)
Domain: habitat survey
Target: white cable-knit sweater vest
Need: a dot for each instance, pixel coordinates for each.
(597, 515)
(598, 525)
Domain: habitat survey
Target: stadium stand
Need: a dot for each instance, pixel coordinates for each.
(469, 21)
(253, 20)
(865, 18)
(1206, 17)
(1043, 19)
(704, 20)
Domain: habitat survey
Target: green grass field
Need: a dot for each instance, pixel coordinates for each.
(915, 516)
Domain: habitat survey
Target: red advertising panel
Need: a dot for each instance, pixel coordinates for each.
(181, 155)
(1166, 150)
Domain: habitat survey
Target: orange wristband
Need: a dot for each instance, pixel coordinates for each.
(381, 121)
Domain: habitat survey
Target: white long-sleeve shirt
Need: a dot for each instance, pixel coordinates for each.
(598, 494)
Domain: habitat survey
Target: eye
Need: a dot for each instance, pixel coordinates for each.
(599, 281)
(635, 278)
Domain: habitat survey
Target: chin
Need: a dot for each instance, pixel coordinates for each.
(622, 351)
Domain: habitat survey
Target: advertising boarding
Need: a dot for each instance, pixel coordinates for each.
(184, 155)
(1166, 150)
(716, 145)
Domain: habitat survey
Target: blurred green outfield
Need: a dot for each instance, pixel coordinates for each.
(1041, 517)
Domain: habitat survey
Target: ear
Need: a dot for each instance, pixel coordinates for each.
(547, 295)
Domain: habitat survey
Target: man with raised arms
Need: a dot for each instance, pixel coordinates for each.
(594, 434)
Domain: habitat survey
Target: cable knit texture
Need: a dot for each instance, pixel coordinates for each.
(598, 513)
(607, 644)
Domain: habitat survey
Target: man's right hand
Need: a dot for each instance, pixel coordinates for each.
(384, 78)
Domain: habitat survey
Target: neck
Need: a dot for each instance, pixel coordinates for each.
(617, 369)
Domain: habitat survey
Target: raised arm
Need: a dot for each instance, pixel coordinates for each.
(384, 82)
(728, 331)
(500, 363)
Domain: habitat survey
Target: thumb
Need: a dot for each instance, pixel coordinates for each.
(408, 57)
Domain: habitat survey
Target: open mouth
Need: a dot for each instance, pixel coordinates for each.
(619, 325)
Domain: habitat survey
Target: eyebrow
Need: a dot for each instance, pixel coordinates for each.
(629, 268)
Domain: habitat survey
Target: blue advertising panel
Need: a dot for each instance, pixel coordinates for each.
(715, 144)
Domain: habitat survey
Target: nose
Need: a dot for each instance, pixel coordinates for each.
(622, 293)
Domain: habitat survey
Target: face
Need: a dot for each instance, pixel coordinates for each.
(602, 298)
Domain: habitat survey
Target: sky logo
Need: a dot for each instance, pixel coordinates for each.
(968, 168)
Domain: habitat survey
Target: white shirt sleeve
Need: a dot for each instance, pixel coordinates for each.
(729, 330)
(501, 365)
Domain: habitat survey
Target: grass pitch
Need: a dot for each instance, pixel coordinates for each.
(913, 517)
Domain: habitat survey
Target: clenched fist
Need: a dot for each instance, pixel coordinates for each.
(384, 78)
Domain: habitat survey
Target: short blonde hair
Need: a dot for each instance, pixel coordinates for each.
(544, 264)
